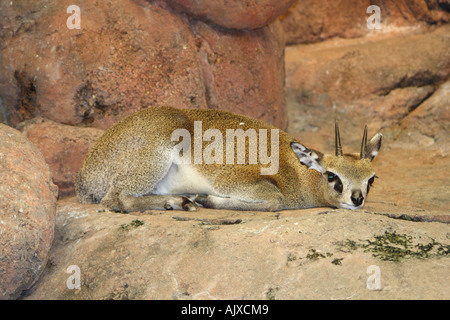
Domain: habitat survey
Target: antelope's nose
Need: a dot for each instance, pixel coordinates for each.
(357, 197)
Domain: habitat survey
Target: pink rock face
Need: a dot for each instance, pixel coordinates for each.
(63, 147)
(432, 117)
(27, 213)
(374, 82)
(316, 20)
(132, 54)
(244, 70)
(125, 56)
(234, 14)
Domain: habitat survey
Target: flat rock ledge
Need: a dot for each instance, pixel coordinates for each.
(318, 253)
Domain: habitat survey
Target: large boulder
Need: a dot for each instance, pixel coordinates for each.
(27, 213)
(128, 55)
(234, 14)
(123, 57)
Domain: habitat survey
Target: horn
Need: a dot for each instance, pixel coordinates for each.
(363, 153)
(338, 141)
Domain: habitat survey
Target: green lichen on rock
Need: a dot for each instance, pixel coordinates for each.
(270, 294)
(132, 225)
(291, 257)
(314, 255)
(392, 246)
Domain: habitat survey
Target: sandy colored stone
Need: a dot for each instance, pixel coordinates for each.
(319, 253)
(429, 123)
(301, 254)
(376, 81)
(27, 213)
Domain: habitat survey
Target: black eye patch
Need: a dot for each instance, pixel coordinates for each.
(331, 176)
(338, 186)
(370, 182)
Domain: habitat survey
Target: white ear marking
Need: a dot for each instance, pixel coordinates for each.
(374, 145)
(307, 157)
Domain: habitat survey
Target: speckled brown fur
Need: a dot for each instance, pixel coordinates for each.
(133, 156)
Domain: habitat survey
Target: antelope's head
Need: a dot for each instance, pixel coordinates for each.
(348, 177)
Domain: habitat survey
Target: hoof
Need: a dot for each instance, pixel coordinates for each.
(168, 207)
(189, 205)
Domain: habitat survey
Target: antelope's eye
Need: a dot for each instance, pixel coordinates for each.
(370, 182)
(331, 176)
(338, 186)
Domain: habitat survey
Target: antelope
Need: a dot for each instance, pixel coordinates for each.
(144, 162)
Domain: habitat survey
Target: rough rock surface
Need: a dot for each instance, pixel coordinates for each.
(377, 80)
(429, 124)
(27, 213)
(234, 14)
(128, 55)
(120, 59)
(305, 254)
(63, 147)
(310, 21)
(250, 86)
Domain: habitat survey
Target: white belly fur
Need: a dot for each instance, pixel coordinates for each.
(183, 179)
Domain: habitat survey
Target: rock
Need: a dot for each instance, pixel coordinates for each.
(313, 21)
(409, 13)
(120, 60)
(411, 186)
(63, 147)
(127, 55)
(235, 79)
(235, 14)
(427, 125)
(217, 254)
(27, 213)
(432, 117)
(377, 81)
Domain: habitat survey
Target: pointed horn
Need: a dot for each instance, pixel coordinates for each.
(338, 140)
(363, 153)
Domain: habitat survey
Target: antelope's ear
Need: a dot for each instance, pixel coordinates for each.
(310, 158)
(373, 146)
